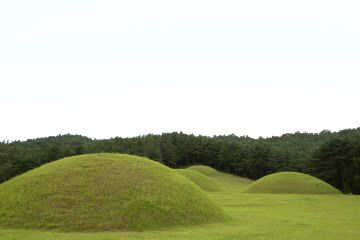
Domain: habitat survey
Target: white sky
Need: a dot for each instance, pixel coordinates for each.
(127, 68)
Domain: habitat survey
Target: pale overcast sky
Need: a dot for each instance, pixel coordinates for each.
(127, 68)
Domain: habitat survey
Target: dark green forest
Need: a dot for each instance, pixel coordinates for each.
(331, 156)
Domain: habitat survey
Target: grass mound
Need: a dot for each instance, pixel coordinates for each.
(291, 182)
(206, 170)
(102, 192)
(204, 182)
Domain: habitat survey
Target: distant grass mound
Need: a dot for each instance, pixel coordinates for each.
(204, 182)
(291, 182)
(104, 192)
(206, 170)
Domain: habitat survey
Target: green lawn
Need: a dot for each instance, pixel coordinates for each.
(203, 181)
(290, 183)
(254, 216)
(105, 192)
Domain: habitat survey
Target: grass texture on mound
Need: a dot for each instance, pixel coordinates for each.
(291, 182)
(206, 170)
(204, 182)
(102, 192)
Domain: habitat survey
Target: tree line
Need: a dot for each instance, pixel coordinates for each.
(331, 156)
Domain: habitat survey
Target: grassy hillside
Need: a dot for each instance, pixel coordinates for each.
(204, 182)
(101, 192)
(291, 182)
(254, 217)
(206, 170)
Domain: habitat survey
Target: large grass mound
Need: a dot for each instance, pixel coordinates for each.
(100, 192)
(291, 182)
(206, 170)
(204, 182)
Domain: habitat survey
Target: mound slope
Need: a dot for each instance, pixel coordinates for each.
(291, 182)
(204, 182)
(206, 170)
(101, 192)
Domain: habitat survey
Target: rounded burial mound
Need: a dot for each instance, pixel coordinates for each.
(102, 192)
(206, 170)
(291, 182)
(204, 182)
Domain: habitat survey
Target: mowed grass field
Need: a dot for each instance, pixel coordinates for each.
(291, 182)
(203, 181)
(254, 216)
(105, 192)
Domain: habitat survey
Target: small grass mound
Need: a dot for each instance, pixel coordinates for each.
(206, 170)
(104, 192)
(291, 182)
(204, 182)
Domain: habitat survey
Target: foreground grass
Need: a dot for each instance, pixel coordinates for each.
(104, 192)
(255, 216)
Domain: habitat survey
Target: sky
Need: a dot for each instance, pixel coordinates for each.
(127, 68)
